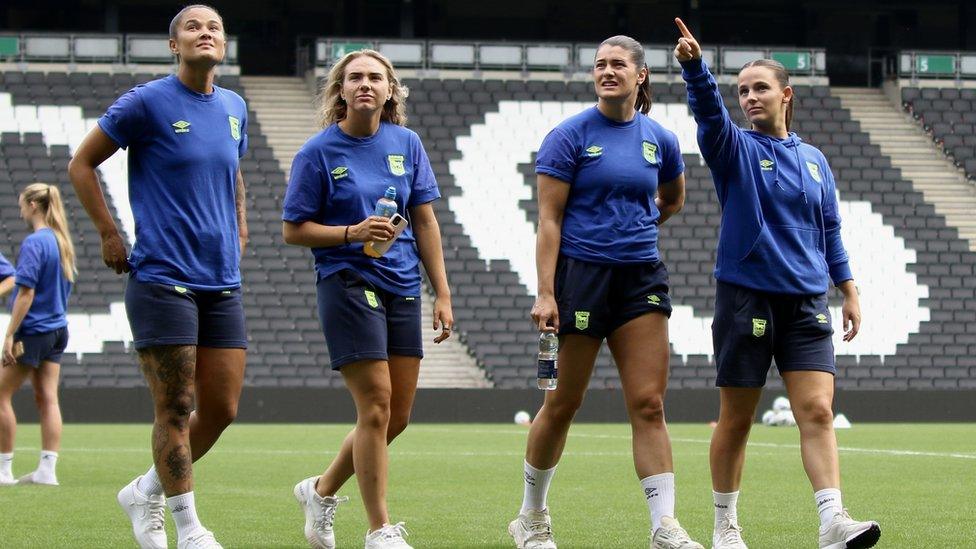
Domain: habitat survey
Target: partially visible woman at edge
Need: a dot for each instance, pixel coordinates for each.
(607, 178)
(185, 136)
(779, 248)
(38, 331)
(369, 308)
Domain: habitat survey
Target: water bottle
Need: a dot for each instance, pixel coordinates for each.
(385, 207)
(548, 350)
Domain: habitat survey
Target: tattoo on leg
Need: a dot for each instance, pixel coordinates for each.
(178, 462)
(169, 371)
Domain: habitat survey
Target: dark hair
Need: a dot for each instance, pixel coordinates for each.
(643, 103)
(782, 76)
(174, 25)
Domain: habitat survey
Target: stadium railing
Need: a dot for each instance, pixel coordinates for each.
(30, 47)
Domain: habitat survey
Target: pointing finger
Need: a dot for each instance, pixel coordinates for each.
(684, 30)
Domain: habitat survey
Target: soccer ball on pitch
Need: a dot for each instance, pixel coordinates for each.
(522, 418)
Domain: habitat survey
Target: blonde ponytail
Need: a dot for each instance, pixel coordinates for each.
(48, 199)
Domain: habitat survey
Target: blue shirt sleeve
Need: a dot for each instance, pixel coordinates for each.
(672, 165)
(424, 187)
(718, 137)
(304, 196)
(242, 146)
(125, 120)
(6, 269)
(557, 156)
(835, 253)
(28, 264)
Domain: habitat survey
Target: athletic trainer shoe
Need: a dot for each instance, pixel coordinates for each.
(532, 530)
(201, 539)
(672, 536)
(390, 536)
(728, 535)
(319, 514)
(843, 532)
(36, 478)
(146, 513)
(7, 480)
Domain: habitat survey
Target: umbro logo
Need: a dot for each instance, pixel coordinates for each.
(529, 479)
(340, 172)
(180, 508)
(650, 493)
(181, 126)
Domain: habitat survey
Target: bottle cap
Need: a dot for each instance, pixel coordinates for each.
(391, 192)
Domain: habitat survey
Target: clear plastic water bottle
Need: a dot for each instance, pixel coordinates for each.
(385, 207)
(548, 350)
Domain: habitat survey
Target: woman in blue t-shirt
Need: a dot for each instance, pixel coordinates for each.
(185, 136)
(607, 178)
(779, 249)
(38, 329)
(369, 308)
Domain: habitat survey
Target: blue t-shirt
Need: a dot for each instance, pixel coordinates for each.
(613, 169)
(184, 150)
(39, 267)
(6, 269)
(336, 179)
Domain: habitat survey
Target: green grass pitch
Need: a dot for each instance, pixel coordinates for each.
(457, 486)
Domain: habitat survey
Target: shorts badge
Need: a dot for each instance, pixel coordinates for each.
(582, 320)
(758, 327)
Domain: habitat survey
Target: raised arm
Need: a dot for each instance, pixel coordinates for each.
(718, 136)
(95, 149)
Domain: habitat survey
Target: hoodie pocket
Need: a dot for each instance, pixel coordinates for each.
(789, 249)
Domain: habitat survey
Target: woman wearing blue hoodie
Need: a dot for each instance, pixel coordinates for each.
(779, 249)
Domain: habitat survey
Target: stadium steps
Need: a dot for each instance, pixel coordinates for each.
(284, 108)
(940, 182)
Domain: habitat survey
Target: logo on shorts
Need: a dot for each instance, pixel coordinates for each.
(396, 164)
(594, 151)
(180, 289)
(814, 170)
(235, 128)
(758, 327)
(181, 126)
(653, 300)
(650, 152)
(340, 172)
(822, 319)
(766, 165)
(582, 320)
(371, 298)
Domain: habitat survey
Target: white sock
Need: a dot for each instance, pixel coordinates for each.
(828, 504)
(7, 464)
(47, 463)
(184, 511)
(725, 505)
(150, 484)
(536, 488)
(659, 491)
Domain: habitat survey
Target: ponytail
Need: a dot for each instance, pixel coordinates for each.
(48, 199)
(643, 103)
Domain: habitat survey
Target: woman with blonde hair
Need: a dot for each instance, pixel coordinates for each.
(38, 329)
(369, 307)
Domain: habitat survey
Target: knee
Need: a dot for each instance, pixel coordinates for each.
(176, 409)
(398, 424)
(44, 398)
(375, 414)
(219, 417)
(816, 412)
(563, 410)
(648, 408)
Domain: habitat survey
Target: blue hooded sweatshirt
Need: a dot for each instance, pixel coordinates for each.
(780, 228)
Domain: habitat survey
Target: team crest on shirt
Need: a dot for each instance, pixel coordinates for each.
(235, 128)
(582, 320)
(594, 151)
(340, 172)
(396, 164)
(650, 152)
(758, 327)
(766, 165)
(814, 170)
(181, 126)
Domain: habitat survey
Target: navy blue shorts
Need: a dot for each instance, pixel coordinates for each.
(45, 347)
(595, 299)
(751, 328)
(164, 314)
(363, 322)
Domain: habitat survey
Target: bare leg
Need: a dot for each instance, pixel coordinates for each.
(169, 371)
(11, 378)
(811, 397)
(727, 453)
(45, 381)
(219, 379)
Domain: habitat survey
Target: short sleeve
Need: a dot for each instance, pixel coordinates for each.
(424, 186)
(6, 269)
(303, 198)
(242, 146)
(672, 165)
(125, 120)
(28, 264)
(557, 156)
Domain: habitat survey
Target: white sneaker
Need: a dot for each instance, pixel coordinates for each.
(201, 539)
(7, 480)
(532, 530)
(146, 513)
(728, 535)
(672, 536)
(843, 532)
(36, 478)
(319, 514)
(390, 536)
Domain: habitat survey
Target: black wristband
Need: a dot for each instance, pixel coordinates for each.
(346, 235)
